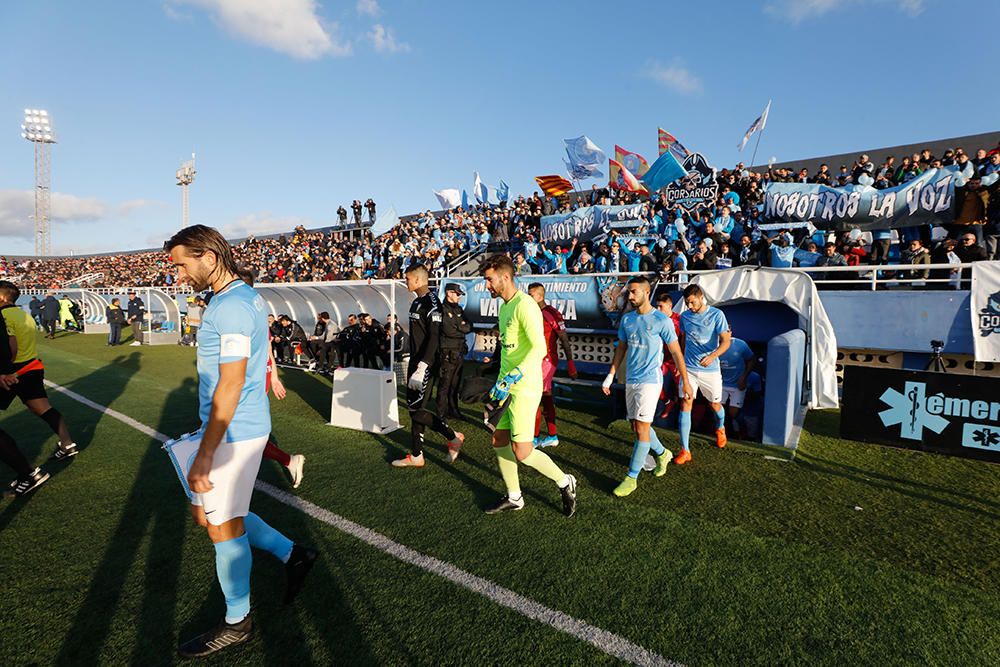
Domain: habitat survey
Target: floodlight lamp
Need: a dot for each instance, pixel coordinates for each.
(27, 111)
(43, 112)
(24, 136)
(48, 137)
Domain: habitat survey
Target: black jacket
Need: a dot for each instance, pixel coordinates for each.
(136, 308)
(425, 329)
(114, 315)
(50, 309)
(454, 326)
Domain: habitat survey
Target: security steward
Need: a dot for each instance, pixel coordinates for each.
(454, 326)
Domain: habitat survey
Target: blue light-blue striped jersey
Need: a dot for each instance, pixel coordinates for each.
(234, 327)
(646, 335)
(701, 337)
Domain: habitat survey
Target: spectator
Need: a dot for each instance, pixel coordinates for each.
(370, 206)
(356, 209)
(916, 253)
(831, 257)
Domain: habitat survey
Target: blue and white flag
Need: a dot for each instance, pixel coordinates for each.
(579, 172)
(480, 190)
(503, 192)
(387, 219)
(757, 125)
(449, 198)
(584, 151)
(465, 200)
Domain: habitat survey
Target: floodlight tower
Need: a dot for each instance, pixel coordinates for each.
(37, 129)
(185, 177)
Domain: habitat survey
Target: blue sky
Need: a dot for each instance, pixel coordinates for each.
(296, 106)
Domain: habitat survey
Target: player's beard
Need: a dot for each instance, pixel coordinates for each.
(201, 279)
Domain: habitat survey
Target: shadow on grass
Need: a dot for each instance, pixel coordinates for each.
(155, 509)
(311, 388)
(919, 490)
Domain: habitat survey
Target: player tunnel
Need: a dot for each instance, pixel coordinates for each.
(781, 309)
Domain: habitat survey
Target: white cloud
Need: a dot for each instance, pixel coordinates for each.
(17, 207)
(796, 11)
(368, 8)
(676, 77)
(291, 27)
(133, 205)
(384, 40)
(262, 223)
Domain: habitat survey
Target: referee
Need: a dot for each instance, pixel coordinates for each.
(30, 372)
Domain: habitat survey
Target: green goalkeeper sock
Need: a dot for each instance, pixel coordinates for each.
(508, 470)
(541, 462)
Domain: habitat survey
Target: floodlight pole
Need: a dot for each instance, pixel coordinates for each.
(43, 189)
(185, 177)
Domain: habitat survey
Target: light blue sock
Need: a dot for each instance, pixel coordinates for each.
(262, 536)
(639, 451)
(654, 442)
(232, 566)
(720, 414)
(684, 426)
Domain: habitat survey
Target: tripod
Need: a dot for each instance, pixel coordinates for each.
(936, 362)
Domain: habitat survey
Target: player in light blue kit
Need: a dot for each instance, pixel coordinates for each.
(705, 336)
(218, 464)
(642, 334)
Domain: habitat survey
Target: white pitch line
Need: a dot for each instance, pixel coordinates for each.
(607, 642)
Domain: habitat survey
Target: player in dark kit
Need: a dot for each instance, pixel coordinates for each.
(425, 329)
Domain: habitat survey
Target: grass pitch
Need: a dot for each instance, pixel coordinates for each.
(735, 559)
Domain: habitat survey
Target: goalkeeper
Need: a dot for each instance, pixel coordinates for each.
(425, 327)
(521, 345)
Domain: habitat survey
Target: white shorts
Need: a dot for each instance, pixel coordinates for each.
(708, 384)
(234, 471)
(640, 401)
(734, 396)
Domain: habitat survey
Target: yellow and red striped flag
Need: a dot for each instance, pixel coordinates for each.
(553, 185)
(623, 179)
(668, 142)
(634, 162)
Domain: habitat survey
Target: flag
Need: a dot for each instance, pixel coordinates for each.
(634, 162)
(503, 192)
(553, 185)
(465, 200)
(668, 142)
(387, 219)
(758, 124)
(663, 172)
(449, 198)
(480, 190)
(579, 172)
(583, 151)
(623, 179)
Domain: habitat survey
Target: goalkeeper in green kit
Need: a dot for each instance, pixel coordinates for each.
(518, 389)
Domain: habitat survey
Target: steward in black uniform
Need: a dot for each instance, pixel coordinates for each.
(454, 326)
(425, 328)
(350, 343)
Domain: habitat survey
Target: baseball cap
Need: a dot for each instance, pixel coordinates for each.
(454, 287)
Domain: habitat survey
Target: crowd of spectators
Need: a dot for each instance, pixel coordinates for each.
(726, 232)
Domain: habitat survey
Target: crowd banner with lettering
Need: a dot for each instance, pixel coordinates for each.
(985, 310)
(589, 304)
(927, 199)
(940, 412)
(589, 223)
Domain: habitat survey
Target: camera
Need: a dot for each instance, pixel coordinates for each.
(937, 346)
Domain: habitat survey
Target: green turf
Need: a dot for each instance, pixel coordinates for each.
(734, 559)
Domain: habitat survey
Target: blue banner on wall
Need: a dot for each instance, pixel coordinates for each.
(927, 199)
(588, 304)
(589, 223)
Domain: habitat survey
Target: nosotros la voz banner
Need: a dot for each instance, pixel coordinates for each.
(927, 199)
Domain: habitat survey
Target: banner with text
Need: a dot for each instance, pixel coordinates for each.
(589, 223)
(589, 304)
(985, 310)
(927, 199)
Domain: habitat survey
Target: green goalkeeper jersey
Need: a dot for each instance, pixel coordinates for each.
(522, 342)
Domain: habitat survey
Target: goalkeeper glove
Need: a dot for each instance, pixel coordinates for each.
(501, 390)
(416, 381)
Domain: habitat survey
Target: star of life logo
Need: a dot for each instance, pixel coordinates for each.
(913, 410)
